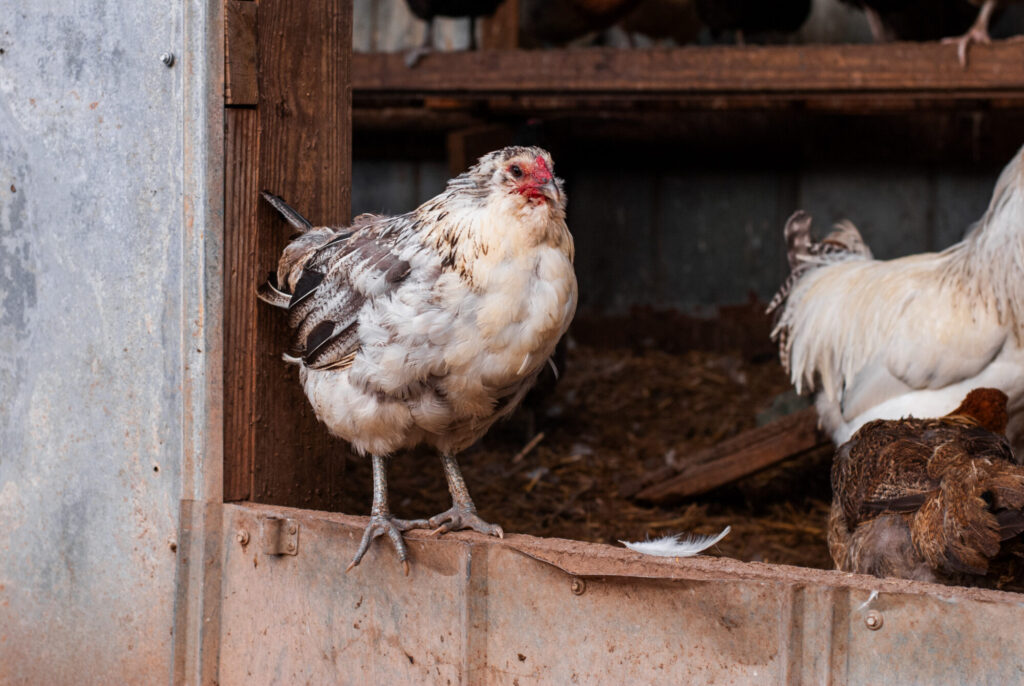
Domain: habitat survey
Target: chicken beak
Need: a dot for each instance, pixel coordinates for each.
(550, 191)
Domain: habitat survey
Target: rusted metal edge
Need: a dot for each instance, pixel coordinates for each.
(597, 560)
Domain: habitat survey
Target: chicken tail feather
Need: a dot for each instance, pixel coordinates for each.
(269, 293)
(289, 213)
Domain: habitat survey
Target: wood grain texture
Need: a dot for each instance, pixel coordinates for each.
(240, 80)
(501, 30)
(305, 156)
(241, 274)
(739, 456)
(904, 68)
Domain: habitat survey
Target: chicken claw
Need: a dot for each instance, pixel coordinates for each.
(462, 517)
(386, 524)
(978, 33)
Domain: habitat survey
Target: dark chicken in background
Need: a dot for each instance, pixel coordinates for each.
(930, 499)
(659, 19)
(753, 17)
(428, 327)
(954, 21)
(428, 10)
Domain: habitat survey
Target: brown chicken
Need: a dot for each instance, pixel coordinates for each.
(929, 499)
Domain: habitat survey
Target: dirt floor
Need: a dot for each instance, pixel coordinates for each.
(615, 415)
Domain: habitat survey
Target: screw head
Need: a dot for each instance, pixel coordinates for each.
(578, 586)
(167, 58)
(291, 547)
(293, 529)
(873, 620)
(242, 536)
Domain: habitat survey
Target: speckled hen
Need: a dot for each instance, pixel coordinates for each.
(427, 327)
(929, 499)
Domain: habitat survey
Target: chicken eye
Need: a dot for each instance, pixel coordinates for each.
(516, 170)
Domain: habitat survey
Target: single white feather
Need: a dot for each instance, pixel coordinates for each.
(863, 606)
(676, 546)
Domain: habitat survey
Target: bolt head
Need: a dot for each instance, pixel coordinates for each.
(293, 529)
(242, 536)
(873, 620)
(578, 586)
(167, 58)
(291, 547)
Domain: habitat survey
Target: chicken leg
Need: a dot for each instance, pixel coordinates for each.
(413, 57)
(978, 33)
(381, 521)
(462, 514)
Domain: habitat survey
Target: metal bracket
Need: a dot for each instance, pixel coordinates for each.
(280, 536)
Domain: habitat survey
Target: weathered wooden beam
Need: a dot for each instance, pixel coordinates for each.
(240, 81)
(905, 68)
(241, 272)
(305, 155)
(740, 456)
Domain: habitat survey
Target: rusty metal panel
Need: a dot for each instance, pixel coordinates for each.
(107, 246)
(546, 611)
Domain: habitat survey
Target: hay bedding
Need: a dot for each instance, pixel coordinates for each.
(617, 414)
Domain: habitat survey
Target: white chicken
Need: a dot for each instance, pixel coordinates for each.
(429, 326)
(911, 336)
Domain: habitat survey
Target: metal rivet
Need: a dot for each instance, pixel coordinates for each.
(292, 529)
(873, 620)
(242, 536)
(578, 586)
(291, 547)
(167, 58)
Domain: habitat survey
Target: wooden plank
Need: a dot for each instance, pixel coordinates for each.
(501, 31)
(240, 82)
(241, 274)
(894, 67)
(305, 156)
(737, 457)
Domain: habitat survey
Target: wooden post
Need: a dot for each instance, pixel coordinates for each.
(296, 143)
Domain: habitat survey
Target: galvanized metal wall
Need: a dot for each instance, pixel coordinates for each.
(105, 273)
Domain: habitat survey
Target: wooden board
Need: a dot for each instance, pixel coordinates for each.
(305, 156)
(297, 142)
(903, 68)
(240, 80)
(241, 273)
(501, 31)
(740, 456)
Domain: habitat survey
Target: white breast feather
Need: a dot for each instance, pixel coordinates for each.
(676, 546)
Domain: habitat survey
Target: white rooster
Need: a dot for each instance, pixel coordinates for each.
(429, 326)
(911, 336)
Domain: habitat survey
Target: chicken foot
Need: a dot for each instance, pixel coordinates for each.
(462, 514)
(381, 521)
(978, 33)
